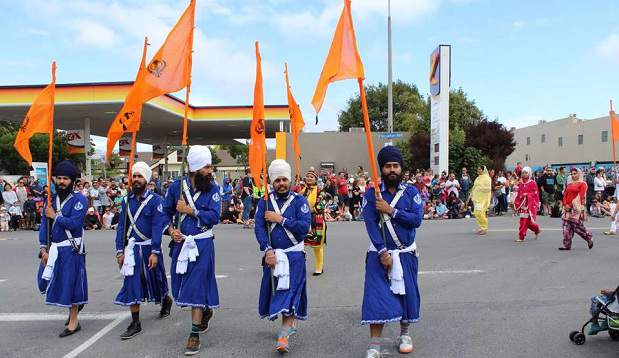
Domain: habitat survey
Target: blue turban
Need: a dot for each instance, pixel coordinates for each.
(66, 169)
(389, 154)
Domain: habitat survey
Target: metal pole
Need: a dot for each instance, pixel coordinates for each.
(389, 72)
(87, 147)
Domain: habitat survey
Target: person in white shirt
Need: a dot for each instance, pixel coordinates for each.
(108, 216)
(452, 185)
(599, 183)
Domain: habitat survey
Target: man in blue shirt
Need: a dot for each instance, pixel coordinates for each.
(391, 218)
(138, 250)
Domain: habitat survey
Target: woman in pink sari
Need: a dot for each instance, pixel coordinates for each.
(527, 204)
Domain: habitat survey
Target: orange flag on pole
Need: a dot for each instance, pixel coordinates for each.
(296, 122)
(257, 144)
(39, 119)
(129, 117)
(343, 61)
(614, 129)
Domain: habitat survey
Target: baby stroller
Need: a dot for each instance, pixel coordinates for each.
(605, 308)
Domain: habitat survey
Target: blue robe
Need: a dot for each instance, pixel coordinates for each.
(144, 285)
(198, 286)
(380, 305)
(68, 285)
(298, 218)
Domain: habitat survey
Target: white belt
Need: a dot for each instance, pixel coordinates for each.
(53, 255)
(129, 257)
(396, 273)
(282, 265)
(189, 251)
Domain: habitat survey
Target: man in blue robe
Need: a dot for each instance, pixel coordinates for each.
(286, 217)
(62, 272)
(192, 207)
(391, 218)
(138, 250)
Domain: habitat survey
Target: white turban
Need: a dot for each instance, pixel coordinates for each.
(198, 157)
(143, 169)
(279, 168)
(527, 170)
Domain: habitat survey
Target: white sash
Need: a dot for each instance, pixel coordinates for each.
(134, 219)
(396, 273)
(281, 212)
(282, 265)
(387, 219)
(189, 250)
(72, 241)
(129, 257)
(53, 255)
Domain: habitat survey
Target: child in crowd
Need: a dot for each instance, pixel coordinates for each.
(30, 212)
(5, 218)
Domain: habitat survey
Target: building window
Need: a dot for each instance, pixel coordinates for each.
(543, 138)
(560, 141)
(604, 136)
(526, 158)
(580, 139)
(528, 140)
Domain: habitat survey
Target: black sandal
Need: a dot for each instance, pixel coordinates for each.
(67, 332)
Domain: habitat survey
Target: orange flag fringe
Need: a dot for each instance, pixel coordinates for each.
(130, 115)
(614, 126)
(257, 145)
(39, 119)
(296, 122)
(169, 70)
(343, 61)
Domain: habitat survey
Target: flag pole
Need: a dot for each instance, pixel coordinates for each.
(50, 154)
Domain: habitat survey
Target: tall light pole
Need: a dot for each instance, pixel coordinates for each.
(389, 72)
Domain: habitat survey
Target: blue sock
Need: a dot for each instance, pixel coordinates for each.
(195, 331)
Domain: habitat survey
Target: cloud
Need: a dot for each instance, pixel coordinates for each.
(93, 34)
(608, 49)
(518, 25)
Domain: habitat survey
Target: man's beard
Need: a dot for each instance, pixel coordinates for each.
(64, 192)
(138, 188)
(391, 181)
(203, 183)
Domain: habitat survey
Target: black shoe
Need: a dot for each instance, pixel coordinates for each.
(166, 307)
(67, 332)
(133, 330)
(193, 346)
(207, 315)
(79, 309)
(318, 273)
(564, 249)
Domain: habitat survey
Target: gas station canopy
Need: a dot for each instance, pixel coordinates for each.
(93, 106)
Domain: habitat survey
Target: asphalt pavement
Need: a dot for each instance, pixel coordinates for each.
(481, 297)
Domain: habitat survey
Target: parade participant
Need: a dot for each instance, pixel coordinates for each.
(574, 213)
(138, 251)
(481, 194)
(62, 273)
(317, 236)
(195, 199)
(287, 217)
(391, 219)
(526, 205)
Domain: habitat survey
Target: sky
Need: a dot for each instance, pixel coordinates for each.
(520, 61)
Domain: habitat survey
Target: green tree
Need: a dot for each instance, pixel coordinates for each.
(409, 108)
(238, 151)
(11, 162)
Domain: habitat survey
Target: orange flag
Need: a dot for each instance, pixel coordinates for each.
(129, 117)
(170, 69)
(296, 122)
(614, 126)
(257, 145)
(39, 119)
(343, 61)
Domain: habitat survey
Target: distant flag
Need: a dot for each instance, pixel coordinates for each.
(39, 119)
(296, 122)
(257, 144)
(343, 61)
(614, 128)
(129, 117)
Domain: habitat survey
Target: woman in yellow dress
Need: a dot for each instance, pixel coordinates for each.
(316, 238)
(481, 196)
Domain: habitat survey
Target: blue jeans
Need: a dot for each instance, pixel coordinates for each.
(247, 202)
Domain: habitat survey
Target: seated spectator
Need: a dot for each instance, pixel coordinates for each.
(441, 210)
(428, 211)
(5, 219)
(108, 216)
(116, 218)
(454, 205)
(30, 212)
(91, 222)
(596, 209)
(16, 217)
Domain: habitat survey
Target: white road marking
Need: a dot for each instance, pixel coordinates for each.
(221, 276)
(23, 317)
(82, 347)
(450, 272)
(543, 229)
(2, 281)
